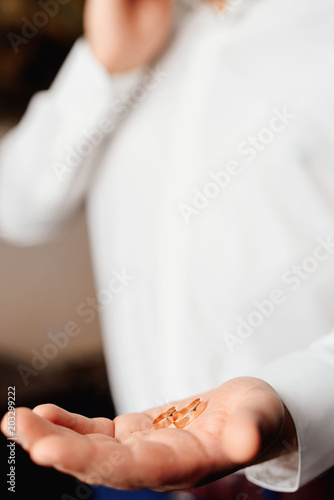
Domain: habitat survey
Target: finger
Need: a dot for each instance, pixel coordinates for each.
(67, 452)
(253, 425)
(74, 421)
(92, 458)
(30, 427)
(55, 446)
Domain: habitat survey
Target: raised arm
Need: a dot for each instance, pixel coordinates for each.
(47, 161)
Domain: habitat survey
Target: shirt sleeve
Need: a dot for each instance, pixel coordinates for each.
(305, 382)
(48, 159)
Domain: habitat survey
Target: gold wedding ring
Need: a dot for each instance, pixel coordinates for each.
(188, 413)
(165, 419)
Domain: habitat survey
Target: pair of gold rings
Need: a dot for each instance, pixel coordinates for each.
(180, 418)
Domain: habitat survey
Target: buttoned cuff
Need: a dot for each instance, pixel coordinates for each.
(84, 88)
(305, 383)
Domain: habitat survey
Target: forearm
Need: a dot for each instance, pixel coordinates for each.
(47, 161)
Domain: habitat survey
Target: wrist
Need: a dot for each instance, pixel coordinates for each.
(285, 442)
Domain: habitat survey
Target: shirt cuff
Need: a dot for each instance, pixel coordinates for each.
(305, 382)
(84, 88)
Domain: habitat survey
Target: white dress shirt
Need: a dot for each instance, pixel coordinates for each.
(208, 180)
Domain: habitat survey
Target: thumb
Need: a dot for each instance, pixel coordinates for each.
(253, 426)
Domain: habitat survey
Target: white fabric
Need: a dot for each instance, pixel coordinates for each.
(240, 277)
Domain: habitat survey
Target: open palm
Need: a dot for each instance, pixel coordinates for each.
(244, 422)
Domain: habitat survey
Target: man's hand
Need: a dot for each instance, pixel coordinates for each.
(124, 34)
(244, 422)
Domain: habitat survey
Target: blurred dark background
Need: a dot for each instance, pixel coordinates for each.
(40, 287)
(30, 65)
